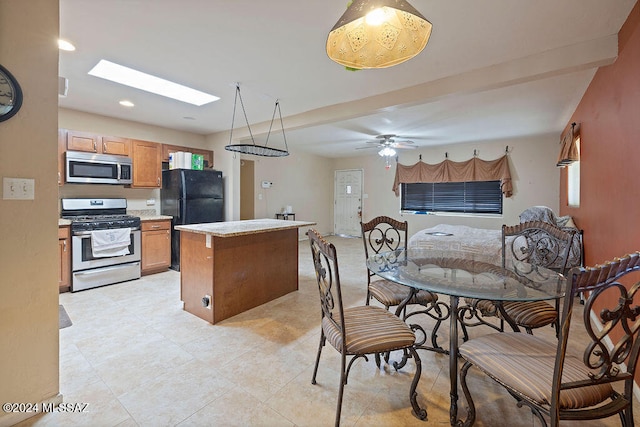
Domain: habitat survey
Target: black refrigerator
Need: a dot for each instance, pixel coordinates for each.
(190, 197)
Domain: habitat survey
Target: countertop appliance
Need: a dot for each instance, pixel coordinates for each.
(88, 268)
(190, 197)
(91, 168)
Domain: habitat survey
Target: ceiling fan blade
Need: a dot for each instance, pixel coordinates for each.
(365, 148)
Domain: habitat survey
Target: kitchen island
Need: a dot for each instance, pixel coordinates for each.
(227, 268)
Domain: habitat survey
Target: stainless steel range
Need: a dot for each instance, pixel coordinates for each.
(105, 242)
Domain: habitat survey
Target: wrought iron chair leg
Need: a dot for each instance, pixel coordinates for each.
(465, 333)
(377, 357)
(405, 357)
(413, 395)
(434, 336)
(343, 381)
(471, 410)
(315, 369)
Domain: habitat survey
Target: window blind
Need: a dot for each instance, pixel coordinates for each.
(461, 197)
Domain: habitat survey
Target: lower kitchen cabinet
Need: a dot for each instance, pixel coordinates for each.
(156, 246)
(64, 249)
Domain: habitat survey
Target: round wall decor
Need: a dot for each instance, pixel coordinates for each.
(10, 95)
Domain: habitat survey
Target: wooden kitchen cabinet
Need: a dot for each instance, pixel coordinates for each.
(156, 246)
(147, 164)
(64, 250)
(94, 143)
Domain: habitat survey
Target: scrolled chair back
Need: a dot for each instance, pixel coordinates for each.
(325, 263)
(537, 243)
(612, 322)
(383, 234)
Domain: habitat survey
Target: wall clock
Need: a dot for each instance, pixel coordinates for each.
(10, 95)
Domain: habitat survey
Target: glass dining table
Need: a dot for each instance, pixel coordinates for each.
(461, 274)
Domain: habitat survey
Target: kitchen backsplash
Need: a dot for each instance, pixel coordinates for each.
(142, 212)
(138, 199)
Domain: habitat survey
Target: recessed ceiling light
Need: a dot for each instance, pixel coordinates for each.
(65, 45)
(143, 81)
(126, 103)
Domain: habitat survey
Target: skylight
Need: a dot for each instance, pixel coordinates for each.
(143, 81)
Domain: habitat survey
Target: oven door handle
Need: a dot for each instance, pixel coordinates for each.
(87, 234)
(102, 269)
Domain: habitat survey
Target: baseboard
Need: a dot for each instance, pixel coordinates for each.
(13, 418)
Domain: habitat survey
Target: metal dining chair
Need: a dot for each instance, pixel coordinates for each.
(552, 381)
(383, 234)
(356, 331)
(537, 244)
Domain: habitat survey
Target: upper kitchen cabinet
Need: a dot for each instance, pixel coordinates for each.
(147, 164)
(206, 154)
(94, 143)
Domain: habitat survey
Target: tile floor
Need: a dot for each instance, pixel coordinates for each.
(137, 359)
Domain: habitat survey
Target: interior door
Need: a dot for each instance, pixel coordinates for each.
(347, 202)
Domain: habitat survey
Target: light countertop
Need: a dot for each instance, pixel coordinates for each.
(155, 217)
(145, 217)
(239, 228)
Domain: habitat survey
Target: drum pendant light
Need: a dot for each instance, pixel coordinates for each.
(378, 34)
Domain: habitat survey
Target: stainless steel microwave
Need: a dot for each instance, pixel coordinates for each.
(90, 168)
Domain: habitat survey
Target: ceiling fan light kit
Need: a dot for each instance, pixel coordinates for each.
(378, 34)
(387, 152)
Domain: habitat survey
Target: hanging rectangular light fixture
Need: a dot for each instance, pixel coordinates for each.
(378, 34)
(253, 148)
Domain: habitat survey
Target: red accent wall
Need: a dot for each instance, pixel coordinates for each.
(609, 116)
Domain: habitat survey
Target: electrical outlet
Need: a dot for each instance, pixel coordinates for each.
(18, 188)
(206, 301)
(151, 202)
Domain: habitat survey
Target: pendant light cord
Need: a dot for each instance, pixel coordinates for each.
(244, 112)
(277, 107)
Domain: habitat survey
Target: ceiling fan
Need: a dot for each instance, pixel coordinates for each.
(387, 143)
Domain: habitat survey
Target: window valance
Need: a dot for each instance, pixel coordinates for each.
(474, 169)
(569, 151)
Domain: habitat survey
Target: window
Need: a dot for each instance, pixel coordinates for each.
(482, 197)
(573, 181)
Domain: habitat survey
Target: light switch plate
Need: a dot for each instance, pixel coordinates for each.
(18, 188)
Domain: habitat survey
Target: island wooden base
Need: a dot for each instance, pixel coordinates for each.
(239, 272)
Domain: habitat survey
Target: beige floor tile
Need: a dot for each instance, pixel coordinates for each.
(236, 409)
(139, 359)
(174, 395)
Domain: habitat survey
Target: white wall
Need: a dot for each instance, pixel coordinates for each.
(136, 197)
(305, 181)
(301, 180)
(533, 172)
(29, 228)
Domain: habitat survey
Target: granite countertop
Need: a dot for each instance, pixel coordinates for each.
(240, 228)
(63, 222)
(148, 214)
(154, 217)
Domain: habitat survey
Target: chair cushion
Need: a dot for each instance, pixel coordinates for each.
(530, 314)
(486, 307)
(525, 363)
(369, 329)
(391, 294)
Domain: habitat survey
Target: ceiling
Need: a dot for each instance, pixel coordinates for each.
(493, 69)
